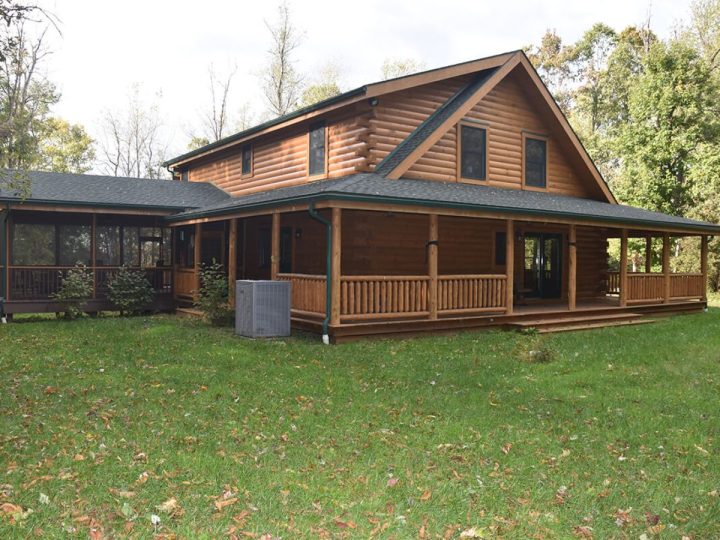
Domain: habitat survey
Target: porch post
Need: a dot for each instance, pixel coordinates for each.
(572, 268)
(336, 270)
(704, 264)
(666, 267)
(648, 254)
(232, 260)
(509, 265)
(197, 257)
(623, 267)
(433, 265)
(4, 258)
(275, 253)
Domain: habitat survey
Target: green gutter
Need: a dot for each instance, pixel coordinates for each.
(339, 196)
(19, 203)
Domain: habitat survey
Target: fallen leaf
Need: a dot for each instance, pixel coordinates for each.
(506, 448)
(473, 532)
(392, 482)
(581, 531)
(656, 529)
(10, 508)
(168, 506)
(142, 478)
(122, 493)
(345, 524)
(220, 504)
(79, 457)
(51, 390)
(426, 495)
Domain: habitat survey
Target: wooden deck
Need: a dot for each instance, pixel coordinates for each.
(591, 314)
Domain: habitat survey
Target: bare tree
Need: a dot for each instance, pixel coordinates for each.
(398, 67)
(215, 119)
(281, 81)
(132, 144)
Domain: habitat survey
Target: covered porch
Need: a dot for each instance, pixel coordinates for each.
(362, 269)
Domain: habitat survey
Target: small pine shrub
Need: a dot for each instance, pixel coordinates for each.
(76, 288)
(213, 295)
(130, 291)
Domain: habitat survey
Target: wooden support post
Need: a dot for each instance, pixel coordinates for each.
(572, 268)
(704, 265)
(623, 267)
(275, 253)
(4, 255)
(666, 267)
(648, 254)
(509, 265)
(433, 265)
(336, 270)
(232, 260)
(197, 257)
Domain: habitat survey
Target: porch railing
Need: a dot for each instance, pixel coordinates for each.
(650, 287)
(185, 283)
(612, 283)
(466, 293)
(369, 296)
(644, 287)
(308, 292)
(687, 286)
(42, 282)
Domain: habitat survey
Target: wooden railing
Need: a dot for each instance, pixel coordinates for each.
(466, 293)
(372, 296)
(42, 282)
(612, 283)
(650, 287)
(686, 286)
(308, 292)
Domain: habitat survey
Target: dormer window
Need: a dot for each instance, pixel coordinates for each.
(317, 149)
(473, 152)
(535, 162)
(247, 160)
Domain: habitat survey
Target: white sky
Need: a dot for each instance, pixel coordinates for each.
(167, 45)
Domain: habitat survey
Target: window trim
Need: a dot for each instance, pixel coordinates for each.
(539, 137)
(458, 158)
(324, 174)
(250, 174)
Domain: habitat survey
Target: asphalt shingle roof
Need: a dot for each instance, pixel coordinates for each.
(89, 189)
(373, 187)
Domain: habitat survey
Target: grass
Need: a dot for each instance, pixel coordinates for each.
(104, 420)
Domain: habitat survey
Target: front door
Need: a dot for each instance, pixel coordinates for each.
(542, 265)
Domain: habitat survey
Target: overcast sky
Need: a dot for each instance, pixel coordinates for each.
(106, 46)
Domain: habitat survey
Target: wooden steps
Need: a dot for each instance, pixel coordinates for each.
(189, 312)
(563, 323)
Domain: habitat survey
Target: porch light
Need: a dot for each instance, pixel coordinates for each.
(298, 233)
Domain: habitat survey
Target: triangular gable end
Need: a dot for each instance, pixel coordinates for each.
(420, 142)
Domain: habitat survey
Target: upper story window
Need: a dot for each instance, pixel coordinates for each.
(184, 176)
(535, 162)
(317, 150)
(247, 160)
(473, 152)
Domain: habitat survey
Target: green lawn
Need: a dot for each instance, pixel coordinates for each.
(104, 421)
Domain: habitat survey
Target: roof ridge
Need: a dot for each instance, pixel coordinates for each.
(426, 127)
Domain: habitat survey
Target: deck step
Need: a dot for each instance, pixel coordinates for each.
(189, 312)
(590, 326)
(565, 320)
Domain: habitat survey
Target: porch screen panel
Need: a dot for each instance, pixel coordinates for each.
(74, 246)
(107, 245)
(33, 245)
(131, 246)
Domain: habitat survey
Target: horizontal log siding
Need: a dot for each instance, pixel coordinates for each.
(591, 262)
(282, 161)
(507, 110)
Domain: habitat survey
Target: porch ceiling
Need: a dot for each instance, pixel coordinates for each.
(373, 188)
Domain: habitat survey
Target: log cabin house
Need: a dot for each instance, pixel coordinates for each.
(455, 198)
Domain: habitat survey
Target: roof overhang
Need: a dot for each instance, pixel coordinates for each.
(83, 206)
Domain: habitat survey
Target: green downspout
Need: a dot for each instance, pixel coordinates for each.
(328, 270)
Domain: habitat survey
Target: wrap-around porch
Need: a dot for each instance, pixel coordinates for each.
(372, 269)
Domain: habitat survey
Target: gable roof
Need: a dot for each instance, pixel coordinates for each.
(346, 98)
(438, 123)
(371, 187)
(113, 191)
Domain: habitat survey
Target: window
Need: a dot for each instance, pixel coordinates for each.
(247, 156)
(33, 245)
(535, 162)
(184, 176)
(473, 152)
(74, 244)
(500, 248)
(107, 245)
(316, 163)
